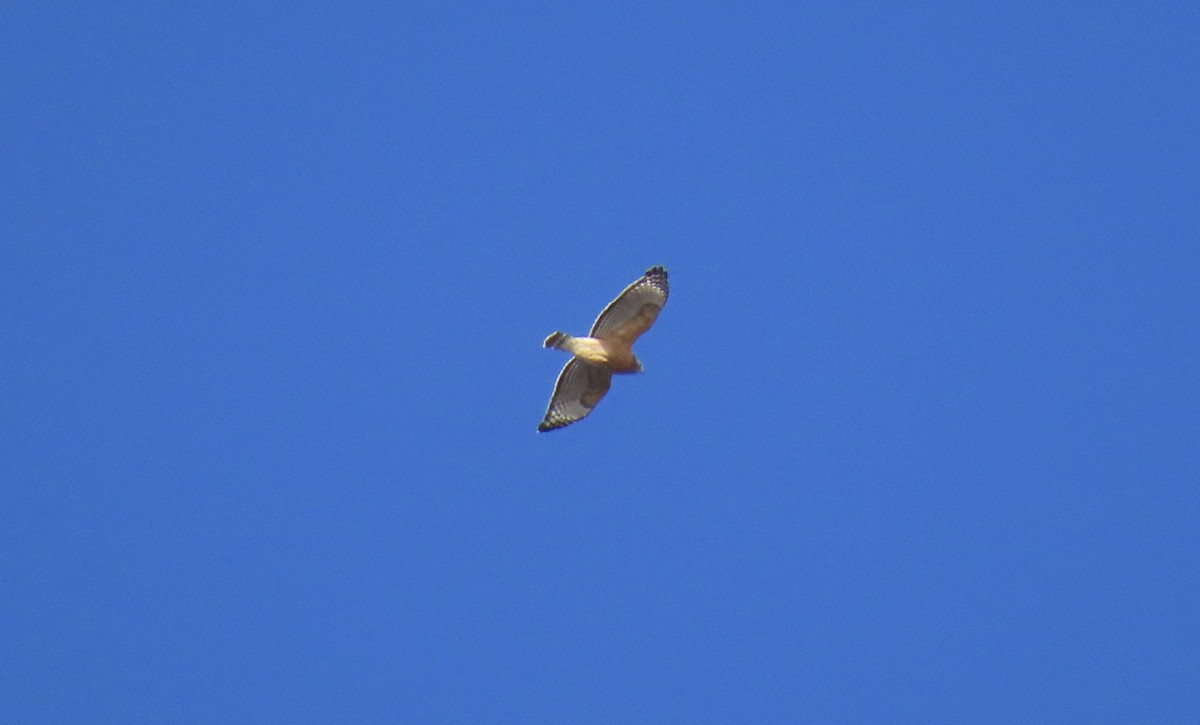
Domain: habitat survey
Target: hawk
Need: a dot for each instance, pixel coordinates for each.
(607, 349)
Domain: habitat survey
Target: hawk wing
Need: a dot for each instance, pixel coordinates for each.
(634, 310)
(580, 386)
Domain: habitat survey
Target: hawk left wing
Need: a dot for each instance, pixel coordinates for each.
(580, 386)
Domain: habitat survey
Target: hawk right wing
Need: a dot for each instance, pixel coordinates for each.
(634, 310)
(580, 386)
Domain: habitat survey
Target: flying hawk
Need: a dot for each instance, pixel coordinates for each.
(607, 349)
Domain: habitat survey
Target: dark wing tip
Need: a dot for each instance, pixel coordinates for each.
(657, 276)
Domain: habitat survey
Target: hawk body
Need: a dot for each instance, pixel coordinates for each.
(607, 349)
(618, 358)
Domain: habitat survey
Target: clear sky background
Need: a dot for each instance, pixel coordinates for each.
(917, 440)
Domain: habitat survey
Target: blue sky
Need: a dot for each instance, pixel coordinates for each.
(917, 439)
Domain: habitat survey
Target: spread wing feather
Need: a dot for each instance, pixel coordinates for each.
(634, 310)
(579, 388)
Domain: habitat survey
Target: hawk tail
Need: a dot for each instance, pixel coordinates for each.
(558, 341)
